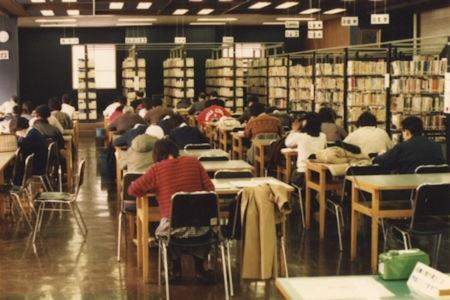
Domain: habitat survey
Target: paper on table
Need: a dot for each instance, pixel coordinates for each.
(244, 183)
(348, 287)
(222, 185)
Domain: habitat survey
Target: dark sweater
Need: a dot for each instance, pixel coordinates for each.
(35, 143)
(187, 135)
(49, 132)
(125, 139)
(405, 157)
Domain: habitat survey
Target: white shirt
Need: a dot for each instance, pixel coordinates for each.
(142, 112)
(7, 107)
(306, 145)
(68, 109)
(155, 130)
(370, 139)
(110, 109)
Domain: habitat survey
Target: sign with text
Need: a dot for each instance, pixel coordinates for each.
(315, 34)
(349, 21)
(377, 19)
(228, 39)
(292, 33)
(292, 24)
(69, 41)
(180, 40)
(314, 25)
(135, 40)
(4, 55)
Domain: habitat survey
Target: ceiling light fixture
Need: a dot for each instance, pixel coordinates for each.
(274, 23)
(206, 23)
(134, 24)
(115, 5)
(73, 12)
(334, 11)
(296, 19)
(259, 5)
(180, 11)
(205, 11)
(55, 20)
(47, 12)
(287, 4)
(136, 19)
(69, 1)
(195, 0)
(217, 19)
(37, 1)
(310, 11)
(58, 25)
(143, 5)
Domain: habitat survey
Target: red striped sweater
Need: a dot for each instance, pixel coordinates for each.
(182, 174)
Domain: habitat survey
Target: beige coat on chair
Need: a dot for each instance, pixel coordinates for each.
(262, 207)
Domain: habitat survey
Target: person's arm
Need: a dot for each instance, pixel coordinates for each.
(248, 130)
(291, 139)
(121, 140)
(143, 184)
(389, 159)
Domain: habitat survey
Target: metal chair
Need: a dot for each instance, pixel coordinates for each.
(430, 169)
(128, 205)
(203, 146)
(51, 167)
(431, 216)
(198, 209)
(227, 174)
(48, 202)
(213, 158)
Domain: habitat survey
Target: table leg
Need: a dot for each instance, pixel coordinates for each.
(145, 235)
(307, 200)
(374, 237)
(354, 224)
(70, 168)
(322, 205)
(139, 231)
(262, 162)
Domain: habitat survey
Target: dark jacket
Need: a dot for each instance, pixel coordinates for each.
(405, 157)
(187, 135)
(126, 122)
(35, 143)
(49, 132)
(125, 139)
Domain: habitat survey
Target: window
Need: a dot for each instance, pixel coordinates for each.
(104, 57)
(244, 50)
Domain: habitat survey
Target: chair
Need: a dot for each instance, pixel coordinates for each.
(212, 158)
(128, 205)
(337, 202)
(48, 202)
(204, 146)
(51, 167)
(431, 216)
(198, 209)
(430, 169)
(229, 174)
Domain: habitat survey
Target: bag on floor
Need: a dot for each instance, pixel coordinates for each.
(399, 264)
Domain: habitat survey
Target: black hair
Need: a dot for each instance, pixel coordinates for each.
(147, 103)
(66, 99)
(270, 109)
(257, 109)
(22, 123)
(155, 102)
(140, 94)
(252, 98)
(327, 115)
(413, 124)
(366, 119)
(54, 103)
(163, 148)
(312, 124)
(27, 107)
(17, 110)
(43, 111)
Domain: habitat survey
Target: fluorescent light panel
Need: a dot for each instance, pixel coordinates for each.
(55, 20)
(47, 12)
(195, 0)
(143, 5)
(58, 25)
(206, 23)
(296, 19)
(205, 11)
(69, 1)
(73, 12)
(136, 19)
(135, 24)
(37, 1)
(287, 4)
(259, 5)
(310, 11)
(180, 11)
(115, 5)
(274, 23)
(217, 19)
(334, 11)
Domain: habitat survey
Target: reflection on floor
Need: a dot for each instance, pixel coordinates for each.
(66, 267)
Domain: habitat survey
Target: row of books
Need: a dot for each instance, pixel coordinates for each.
(365, 84)
(299, 70)
(225, 82)
(179, 73)
(223, 62)
(355, 112)
(179, 93)
(278, 71)
(355, 67)
(277, 92)
(329, 83)
(417, 85)
(419, 66)
(227, 92)
(366, 99)
(300, 94)
(329, 97)
(224, 72)
(277, 82)
(178, 83)
(430, 122)
(179, 62)
(328, 69)
(417, 104)
(304, 83)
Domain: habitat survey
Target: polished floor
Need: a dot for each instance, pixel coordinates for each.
(64, 266)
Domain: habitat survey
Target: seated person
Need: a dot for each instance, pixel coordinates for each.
(211, 114)
(184, 103)
(415, 150)
(126, 138)
(27, 109)
(139, 157)
(333, 132)
(7, 106)
(138, 101)
(214, 100)
(307, 138)
(42, 124)
(146, 106)
(156, 111)
(66, 106)
(55, 106)
(170, 174)
(156, 131)
(185, 134)
(368, 137)
(111, 108)
(15, 119)
(126, 121)
(251, 99)
(198, 104)
(169, 123)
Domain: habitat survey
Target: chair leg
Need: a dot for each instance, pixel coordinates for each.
(224, 270)
(37, 225)
(283, 250)
(119, 235)
(405, 240)
(338, 225)
(22, 209)
(159, 262)
(437, 246)
(230, 275)
(166, 271)
(80, 222)
(300, 202)
(75, 205)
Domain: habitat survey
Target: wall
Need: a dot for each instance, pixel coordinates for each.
(334, 35)
(435, 22)
(9, 69)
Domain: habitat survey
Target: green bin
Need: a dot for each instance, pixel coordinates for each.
(399, 264)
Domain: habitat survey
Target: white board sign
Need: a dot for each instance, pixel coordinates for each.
(292, 24)
(228, 39)
(136, 40)
(427, 281)
(377, 19)
(69, 41)
(349, 21)
(4, 55)
(180, 40)
(291, 33)
(315, 25)
(315, 34)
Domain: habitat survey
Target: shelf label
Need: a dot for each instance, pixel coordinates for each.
(228, 39)
(379, 19)
(446, 93)
(428, 281)
(349, 21)
(180, 40)
(291, 33)
(136, 40)
(69, 41)
(315, 34)
(292, 24)
(315, 25)
(4, 55)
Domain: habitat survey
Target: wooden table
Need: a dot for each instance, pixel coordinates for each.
(260, 157)
(290, 157)
(375, 185)
(343, 287)
(225, 140)
(204, 152)
(210, 132)
(238, 150)
(317, 178)
(68, 145)
(234, 165)
(146, 214)
(5, 159)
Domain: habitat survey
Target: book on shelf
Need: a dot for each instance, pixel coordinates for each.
(356, 67)
(419, 66)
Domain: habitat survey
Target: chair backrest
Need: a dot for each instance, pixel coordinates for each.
(359, 171)
(430, 169)
(431, 200)
(213, 158)
(16, 168)
(128, 178)
(197, 146)
(28, 170)
(194, 210)
(227, 174)
(80, 176)
(52, 164)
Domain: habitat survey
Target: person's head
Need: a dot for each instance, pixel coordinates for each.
(257, 109)
(213, 95)
(66, 99)
(311, 124)
(54, 104)
(252, 99)
(327, 115)
(27, 107)
(17, 110)
(139, 94)
(164, 149)
(154, 102)
(42, 112)
(411, 126)
(366, 119)
(22, 124)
